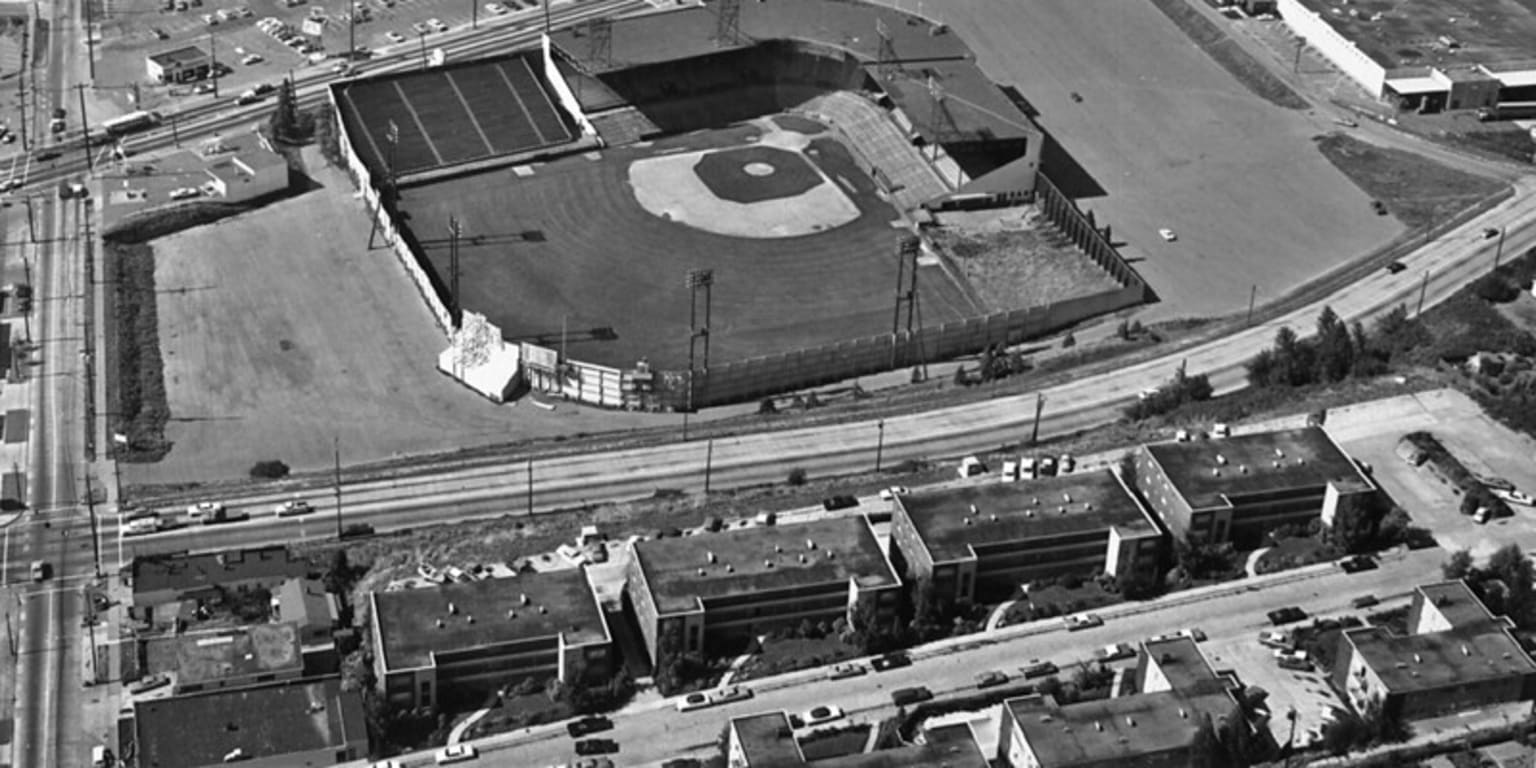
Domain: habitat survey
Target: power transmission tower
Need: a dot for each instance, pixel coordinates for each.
(728, 23)
(907, 251)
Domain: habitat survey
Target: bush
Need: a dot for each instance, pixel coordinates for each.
(269, 469)
(796, 476)
(767, 407)
(1068, 341)
(1496, 288)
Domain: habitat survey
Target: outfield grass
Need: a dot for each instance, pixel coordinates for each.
(1418, 191)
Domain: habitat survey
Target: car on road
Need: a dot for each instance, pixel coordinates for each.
(1357, 564)
(394, 37)
(1193, 633)
(903, 697)
(834, 503)
(142, 526)
(591, 762)
(385, 764)
(596, 747)
(1287, 615)
(45, 156)
(991, 678)
(1082, 621)
(205, 509)
(586, 725)
(150, 683)
(1490, 233)
(846, 670)
(1364, 601)
(293, 508)
(1167, 235)
(1037, 668)
(39, 570)
(1277, 640)
(682, 762)
(1077, 98)
(890, 494)
(1514, 496)
(458, 753)
(695, 700)
(436, 25)
(249, 97)
(1115, 652)
(891, 661)
(1395, 267)
(820, 715)
(1379, 207)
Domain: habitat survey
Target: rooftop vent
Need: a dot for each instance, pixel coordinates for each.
(511, 614)
(1221, 461)
(967, 520)
(1045, 718)
(1279, 454)
(1276, 464)
(1301, 459)
(1183, 713)
(994, 518)
(974, 511)
(709, 557)
(452, 609)
(701, 571)
(767, 563)
(1062, 510)
(542, 609)
(730, 568)
(810, 543)
(1417, 659)
(1035, 500)
(1087, 506)
(315, 706)
(1216, 471)
(1029, 513)
(1243, 469)
(469, 618)
(439, 623)
(778, 549)
(1465, 651)
(1067, 497)
(802, 558)
(1131, 721)
(1098, 726)
(831, 555)
(522, 598)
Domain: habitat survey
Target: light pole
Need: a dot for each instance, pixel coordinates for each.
(422, 36)
(879, 443)
(697, 279)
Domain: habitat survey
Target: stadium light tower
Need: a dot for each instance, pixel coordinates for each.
(698, 280)
(455, 311)
(392, 137)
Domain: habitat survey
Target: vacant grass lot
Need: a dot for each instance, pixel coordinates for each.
(1419, 192)
(1026, 267)
(1226, 52)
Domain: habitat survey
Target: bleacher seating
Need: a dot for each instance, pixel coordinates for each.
(884, 146)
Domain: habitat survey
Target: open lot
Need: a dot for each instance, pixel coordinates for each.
(273, 351)
(566, 243)
(1306, 692)
(1167, 138)
(1370, 432)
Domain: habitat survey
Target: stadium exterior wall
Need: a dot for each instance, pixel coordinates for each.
(385, 221)
(563, 89)
(1345, 55)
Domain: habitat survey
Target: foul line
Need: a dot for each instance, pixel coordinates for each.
(415, 118)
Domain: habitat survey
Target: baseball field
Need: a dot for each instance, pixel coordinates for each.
(801, 246)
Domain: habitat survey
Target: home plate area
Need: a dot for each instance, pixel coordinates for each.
(770, 188)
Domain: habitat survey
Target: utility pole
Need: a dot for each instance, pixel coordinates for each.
(1301, 45)
(530, 486)
(879, 442)
(336, 446)
(422, 36)
(1423, 289)
(21, 96)
(455, 310)
(474, 15)
(1499, 252)
(175, 137)
(351, 33)
(1034, 431)
(1253, 293)
(90, 503)
(26, 266)
(31, 222)
(213, 62)
(90, 41)
(86, 127)
(709, 460)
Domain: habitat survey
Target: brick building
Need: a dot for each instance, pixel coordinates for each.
(1241, 487)
(989, 539)
(738, 584)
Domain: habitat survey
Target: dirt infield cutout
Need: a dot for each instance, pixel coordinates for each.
(767, 190)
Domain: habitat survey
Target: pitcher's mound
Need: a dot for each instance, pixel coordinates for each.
(757, 191)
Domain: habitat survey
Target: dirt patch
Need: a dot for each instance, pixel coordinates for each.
(1418, 191)
(1020, 262)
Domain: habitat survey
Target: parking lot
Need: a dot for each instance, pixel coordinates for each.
(1306, 693)
(134, 29)
(1370, 432)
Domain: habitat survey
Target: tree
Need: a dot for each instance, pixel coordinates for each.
(1335, 356)
(1457, 566)
(1394, 527)
(1355, 526)
(285, 122)
(339, 577)
(1509, 565)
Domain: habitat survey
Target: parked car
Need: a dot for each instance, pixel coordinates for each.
(457, 753)
(848, 669)
(1357, 564)
(586, 725)
(1115, 652)
(990, 678)
(834, 503)
(1295, 659)
(1037, 668)
(971, 466)
(891, 661)
(1277, 640)
(252, 58)
(1514, 496)
(683, 762)
(421, 28)
(728, 695)
(890, 494)
(596, 747)
(1066, 464)
(385, 764)
(1167, 235)
(695, 700)
(1193, 633)
(820, 715)
(1490, 233)
(1287, 615)
(39, 570)
(205, 509)
(1364, 601)
(496, 9)
(903, 697)
(592, 762)
(437, 25)
(1082, 621)
(394, 37)
(146, 684)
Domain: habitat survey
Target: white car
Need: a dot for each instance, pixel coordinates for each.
(437, 25)
(818, 715)
(385, 764)
(1115, 652)
(728, 695)
(293, 508)
(204, 509)
(1514, 496)
(394, 37)
(1280, 641)
(1082, 621)
(253, 58)
(457, 753)
(1167, 234)
(496, 8)
(695, 700)
(848, 669)
(890, 494)
(142, 526)
(421, 27)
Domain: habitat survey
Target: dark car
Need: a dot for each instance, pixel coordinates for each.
(682, 762)
(1364, 601)
(1396, 267)
(990, 678)
(1490, 233)
(1379, 207)
(1287, 615)
(902, 697)
(596, 747)
(586, 725)
(834, 503)
(46, 155)
(594, 762)
(1357, 564)
(1039, 669)
(891, 661)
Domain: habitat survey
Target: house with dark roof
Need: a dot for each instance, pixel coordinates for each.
(464, 640)
(1241, 487)
(166, 578)
(989, 539)
(288, 725)
(742, 583)
(1457, 655)
(767, 741)
(1178, 712)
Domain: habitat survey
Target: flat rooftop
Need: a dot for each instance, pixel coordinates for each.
(1113, 731)
(652, 38)
(1185, 667)
(487, 613)
(1407, 34)
(1210, 472)
(233, 653)
(1030, 509)
(679, 571)
(184, 56)
(185, 573)
(768, 741)
(973, 107)
(1426, 662)
(1455, 601)
(263, 723)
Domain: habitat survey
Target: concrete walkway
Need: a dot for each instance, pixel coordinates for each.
(736, 665)
(998, 613)
(1253, 561)
(457, 734)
